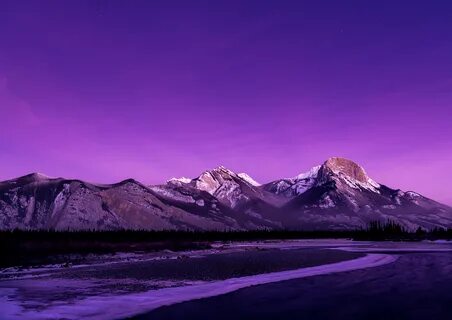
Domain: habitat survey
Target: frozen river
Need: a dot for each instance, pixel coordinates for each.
(315, 279)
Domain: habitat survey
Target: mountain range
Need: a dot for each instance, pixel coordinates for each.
(337, 195)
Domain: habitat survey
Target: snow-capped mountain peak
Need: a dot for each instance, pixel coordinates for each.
(348, 171)
(346, 167)
(227, 186)
(211, 180)
(223, 169)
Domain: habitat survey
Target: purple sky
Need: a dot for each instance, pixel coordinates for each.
(105, 90)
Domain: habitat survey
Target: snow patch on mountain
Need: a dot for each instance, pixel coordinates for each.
(311, 174)
(248, 179)
(207, 182)
(356, 184)
(413, 194)
(290, 187)
(180, 180)
(230, 193)
(327, 202)
(169, 193)
(60, 199)
(40, 176)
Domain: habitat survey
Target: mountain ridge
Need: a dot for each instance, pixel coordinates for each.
(337, 194)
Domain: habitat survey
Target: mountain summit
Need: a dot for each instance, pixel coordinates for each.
(347, 171)
(346, 167)
(335, 195)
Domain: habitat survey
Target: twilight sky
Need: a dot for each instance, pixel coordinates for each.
(106, 90)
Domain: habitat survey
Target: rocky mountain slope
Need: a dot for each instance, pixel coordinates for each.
(335, 195)
(340, 195)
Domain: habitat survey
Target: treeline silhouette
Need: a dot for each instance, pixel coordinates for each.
(392, 231)
(34, 246)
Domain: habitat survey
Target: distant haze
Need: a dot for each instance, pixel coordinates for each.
(106, 90)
